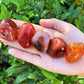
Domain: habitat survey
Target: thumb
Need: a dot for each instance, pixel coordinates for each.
(56, 24)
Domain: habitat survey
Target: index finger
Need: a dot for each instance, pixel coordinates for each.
(19, 23)
(56, 24)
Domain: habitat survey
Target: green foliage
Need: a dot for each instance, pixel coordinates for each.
(16, 71)
(49, 75)
(4, 12)
(22, 77)
(45, 81)
(36, 75)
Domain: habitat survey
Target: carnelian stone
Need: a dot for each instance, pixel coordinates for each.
(8, 30)
(74, 52)
(25, 34)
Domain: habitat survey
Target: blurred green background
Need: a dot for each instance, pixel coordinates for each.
(16, 71)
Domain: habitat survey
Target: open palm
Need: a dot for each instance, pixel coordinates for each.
(55, 28)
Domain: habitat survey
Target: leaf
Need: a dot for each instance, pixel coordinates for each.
(82, 21)
(75, 13)
(56, 81)
(49, 2)
(49, 75)
(45, 81)
(6, 1)
(80, 77)
(71, 9)
(77, 23)
(35, 75)
(31, 81)
(65, 15)
(15, 69)
(40, 5)
(58, 10)
(27, 7)
(36, 11)
(63, 1)
(19, 17)
(22, 77)
(31, 14)
(1, 2)
(44, 12)
(0, 45)
(16, 3)
(21, 4)
(13, 61)
(81, 81)
(5, 13)
(6, 50)
(37, 15)
(70, 19)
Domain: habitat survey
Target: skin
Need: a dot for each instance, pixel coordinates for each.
(55, 28)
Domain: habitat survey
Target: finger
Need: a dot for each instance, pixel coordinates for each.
(59, 25)
(19, 23)
(60, 65)
(37, 27)
(15, 44)
(31, 58)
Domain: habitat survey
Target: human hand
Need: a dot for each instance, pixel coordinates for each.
(55, 28)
